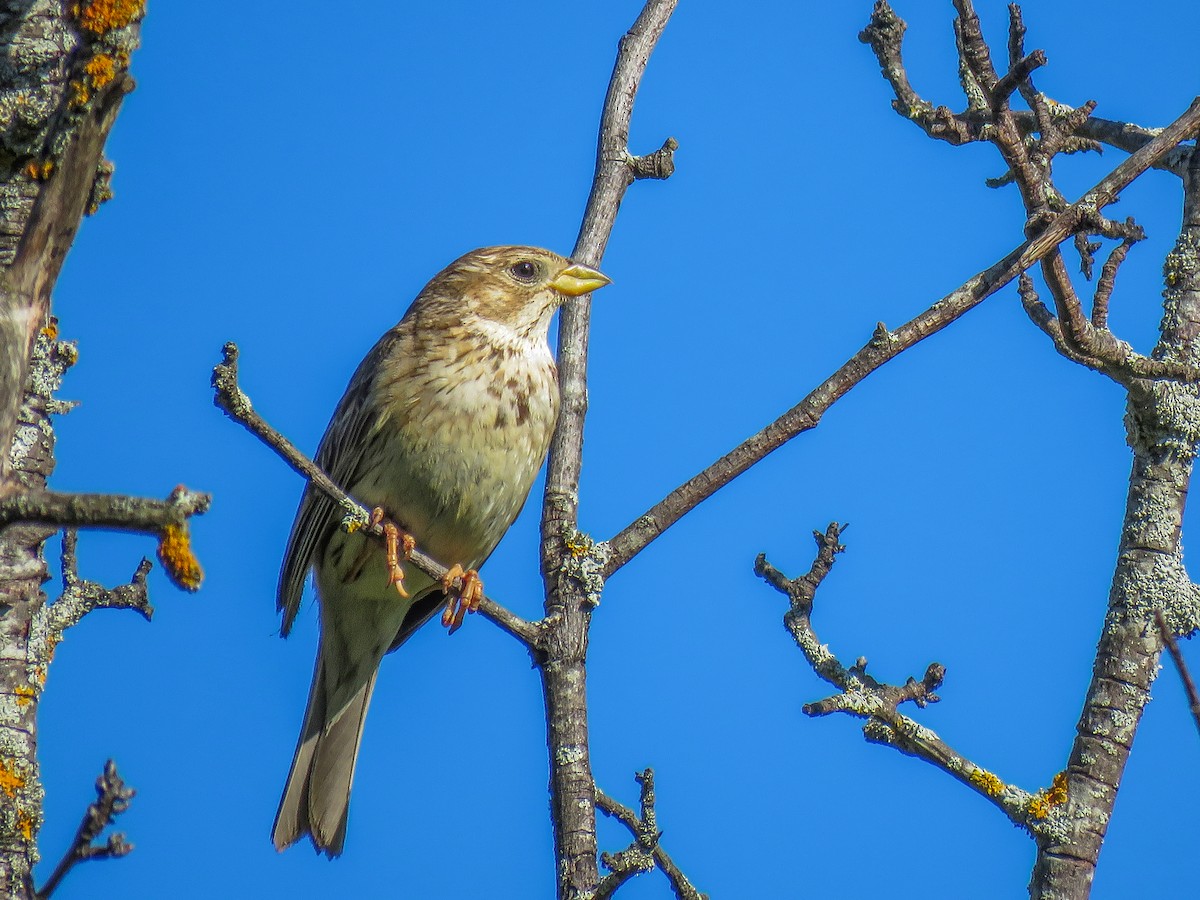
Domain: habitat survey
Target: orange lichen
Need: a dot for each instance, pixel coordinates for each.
(1044, 801)
(51, 328)
(103, 16)
(100, 69)
(80, 93)
(989, 783)
(25, 825)
(175, 553)
(40, 170)
(25, 695)
(10, 781)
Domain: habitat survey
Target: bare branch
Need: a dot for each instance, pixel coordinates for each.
(1016, 76)
(1189, 686)
(616, 170)
(1121, 135)
(229, 397)
(885, 34)
(1045, 320)
(1104, 287)
(886, 345)
(116, 511)
(80, 597)
(112, 800)
(861, 695)
(646, 842)
(1098, 348)
(573, 583)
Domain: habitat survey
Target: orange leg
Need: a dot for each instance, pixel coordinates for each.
(400, 545)
(462, 599)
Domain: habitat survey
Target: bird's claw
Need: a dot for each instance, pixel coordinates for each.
(461, 598)
(400, 545)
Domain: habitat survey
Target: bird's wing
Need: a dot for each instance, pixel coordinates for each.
(340, 456)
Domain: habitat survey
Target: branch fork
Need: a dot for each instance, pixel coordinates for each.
(645, 853)
(865, 697)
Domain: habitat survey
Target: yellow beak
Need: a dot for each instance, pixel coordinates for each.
(579, 279)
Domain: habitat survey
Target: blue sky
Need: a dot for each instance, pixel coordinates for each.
(289, 180)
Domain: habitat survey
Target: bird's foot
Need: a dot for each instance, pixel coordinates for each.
(460, 599)
(400, 545)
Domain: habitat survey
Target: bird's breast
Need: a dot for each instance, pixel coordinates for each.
(463, 437)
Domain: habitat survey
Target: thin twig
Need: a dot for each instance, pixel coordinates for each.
(230, 398)
(644, 829)
(886, 345)
(113, 797)
(1189, 686)
(863, 696)
(1104, 286)
(79, 596)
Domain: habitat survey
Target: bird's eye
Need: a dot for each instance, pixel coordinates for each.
(524, 271)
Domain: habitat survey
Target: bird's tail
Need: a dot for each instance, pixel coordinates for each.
(316, 799)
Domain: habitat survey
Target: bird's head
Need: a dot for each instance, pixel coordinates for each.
(517, 287)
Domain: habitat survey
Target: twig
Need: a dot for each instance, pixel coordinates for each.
(1189, 686)
(230, 398)
(863, 696)
(646, 839)
(79, 597)
(112, 800)
(1125, 136)
(886, 345)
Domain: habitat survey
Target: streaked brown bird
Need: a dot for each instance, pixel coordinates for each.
(442, 429)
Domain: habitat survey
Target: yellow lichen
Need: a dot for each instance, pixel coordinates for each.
(25, 695)
(40, 170)
(51, 328)
(68, 352)
(80, 93)
(103, 16)
(579, 544)
(989, 783)
(1044, 801)
(25, 825)
(10, 781)
(175, 553)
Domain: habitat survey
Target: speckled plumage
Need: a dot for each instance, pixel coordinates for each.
(444, 426)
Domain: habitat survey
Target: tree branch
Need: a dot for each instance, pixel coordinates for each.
(117, 511)
(1189, 686)
(112, 800)
(861, 695)
(229, 397)
(572, 564)
(646, 843)
(80, 597)
(886, 345)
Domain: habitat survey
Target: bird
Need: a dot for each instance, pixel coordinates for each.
(442, 430)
